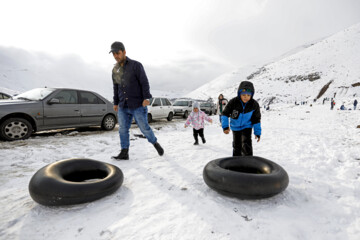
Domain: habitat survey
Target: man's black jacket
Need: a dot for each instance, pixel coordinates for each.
(134, 86)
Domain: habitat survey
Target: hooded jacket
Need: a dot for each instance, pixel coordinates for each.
(197, 119)
(242, 115)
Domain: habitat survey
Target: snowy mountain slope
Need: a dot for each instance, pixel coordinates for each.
(334, 61)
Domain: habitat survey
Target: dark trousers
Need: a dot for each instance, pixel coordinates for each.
(198, 132)
(242, 145)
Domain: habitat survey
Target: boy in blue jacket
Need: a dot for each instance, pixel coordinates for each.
(244, 114)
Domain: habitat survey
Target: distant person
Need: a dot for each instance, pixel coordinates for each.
(342, 107)
(332, 104)
(197, 119)
(220, 105)
(131, 98)
(245, 114)
(355, 104)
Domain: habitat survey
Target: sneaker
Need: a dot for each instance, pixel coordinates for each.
(159, 149)
(203, 140)
(123, 155)
(196, 143)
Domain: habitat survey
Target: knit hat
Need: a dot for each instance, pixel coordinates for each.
(196, 105)
(246, 87)
(245, 91)
(117, 46)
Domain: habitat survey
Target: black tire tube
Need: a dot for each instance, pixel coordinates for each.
(62, 182)
(245, 177)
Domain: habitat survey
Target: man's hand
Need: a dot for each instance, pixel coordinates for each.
(227, 131)
(257, 137)
(146, 103)
(116, 108)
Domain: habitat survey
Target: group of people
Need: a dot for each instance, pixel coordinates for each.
(131, 97)
(342, 107)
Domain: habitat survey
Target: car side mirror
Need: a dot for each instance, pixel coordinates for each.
(53, 101)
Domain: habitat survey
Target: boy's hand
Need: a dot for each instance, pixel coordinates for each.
(257, 137)
(227, 131)
(211, 120)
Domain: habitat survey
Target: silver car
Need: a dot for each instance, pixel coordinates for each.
(53, 108)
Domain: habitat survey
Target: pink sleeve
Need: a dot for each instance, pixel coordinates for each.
(188, 120)
(207, 118)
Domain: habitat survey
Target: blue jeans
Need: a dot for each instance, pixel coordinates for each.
(125, 116)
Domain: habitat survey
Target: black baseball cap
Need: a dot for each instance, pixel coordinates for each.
(116, 46)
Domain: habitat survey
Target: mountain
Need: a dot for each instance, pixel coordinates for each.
(328, 68)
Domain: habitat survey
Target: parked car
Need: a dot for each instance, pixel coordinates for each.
(182, 107)
(53, 108)
(208, 108)
(160, 108)
(4, 96)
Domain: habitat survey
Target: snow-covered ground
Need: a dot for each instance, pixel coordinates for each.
(166, 197)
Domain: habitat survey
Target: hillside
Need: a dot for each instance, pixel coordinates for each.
(327, 68)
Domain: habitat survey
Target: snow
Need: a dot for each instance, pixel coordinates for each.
(166, 197)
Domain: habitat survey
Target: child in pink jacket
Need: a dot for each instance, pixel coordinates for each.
(197, 119)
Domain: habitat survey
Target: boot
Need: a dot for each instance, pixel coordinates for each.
(123, 155)
(203, 140)
(159, 149)
(196, 140)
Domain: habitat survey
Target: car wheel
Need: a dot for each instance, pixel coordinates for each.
(149, 118)
(15, 129)
(210, 113)
(170, 117)
(186, 114)
(108, 123)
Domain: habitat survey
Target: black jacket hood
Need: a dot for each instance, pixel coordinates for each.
(246, 85)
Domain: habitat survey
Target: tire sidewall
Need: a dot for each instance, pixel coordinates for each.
(245, 185)
(104, 123)
(170, 116)
(48, 186)
(7, 121)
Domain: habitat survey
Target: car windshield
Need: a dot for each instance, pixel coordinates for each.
(35, 94)
(180, 103)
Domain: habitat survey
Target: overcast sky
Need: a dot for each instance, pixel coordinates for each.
(182, 44)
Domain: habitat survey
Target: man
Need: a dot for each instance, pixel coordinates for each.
(131, 98)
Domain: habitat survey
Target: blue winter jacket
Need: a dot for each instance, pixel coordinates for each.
(242, 115)
(134, 87)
